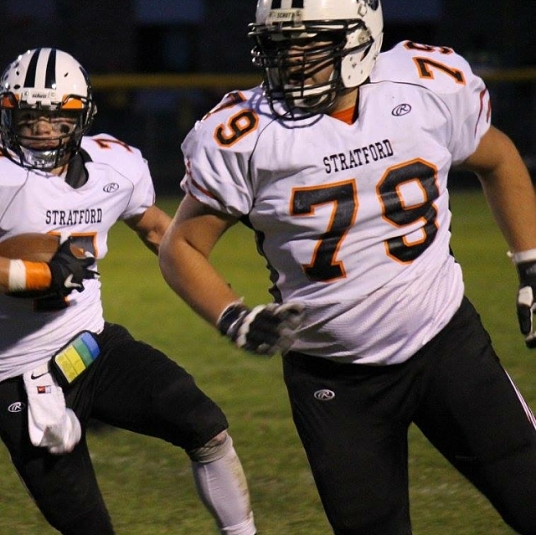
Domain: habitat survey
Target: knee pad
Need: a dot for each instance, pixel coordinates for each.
(214, 449)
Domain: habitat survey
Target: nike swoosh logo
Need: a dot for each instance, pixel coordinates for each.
(33, 376)
(69, 284)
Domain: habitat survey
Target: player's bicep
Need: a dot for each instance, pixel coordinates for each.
(198, 225)
(494, 150)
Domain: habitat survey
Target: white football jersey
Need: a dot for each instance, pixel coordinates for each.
(353, 219)
(119, 187)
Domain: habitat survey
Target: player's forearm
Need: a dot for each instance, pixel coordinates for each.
(4, 275)
(508, 188)
(511, 196)
(191, 276)
(150, 227)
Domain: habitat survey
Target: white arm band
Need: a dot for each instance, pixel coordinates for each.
(17, 276)
(523, 256)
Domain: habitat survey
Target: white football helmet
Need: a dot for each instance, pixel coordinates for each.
(349, 34)
(49, 83)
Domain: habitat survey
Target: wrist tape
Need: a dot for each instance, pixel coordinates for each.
(230, 318)
(24, 275)
(523, 256)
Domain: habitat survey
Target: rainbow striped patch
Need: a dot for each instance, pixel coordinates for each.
(76, 357)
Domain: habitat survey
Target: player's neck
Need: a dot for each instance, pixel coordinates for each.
(346, 100)
(344, 108)
(59, 171)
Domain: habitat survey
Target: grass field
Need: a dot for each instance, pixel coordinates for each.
(147, 483)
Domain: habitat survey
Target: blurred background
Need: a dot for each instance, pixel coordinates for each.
(159, 65)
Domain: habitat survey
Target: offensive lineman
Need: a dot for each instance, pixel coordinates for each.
(339, 163)
(55, 179)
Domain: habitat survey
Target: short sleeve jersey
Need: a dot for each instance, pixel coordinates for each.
(119, 186)
(353, 219)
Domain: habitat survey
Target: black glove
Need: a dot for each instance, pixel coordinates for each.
(265, 330)
(68, 271)
(526, 300)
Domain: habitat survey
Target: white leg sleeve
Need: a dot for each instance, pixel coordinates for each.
(222, 487)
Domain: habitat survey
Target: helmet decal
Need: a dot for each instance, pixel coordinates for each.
(287, 4)
(50, 74)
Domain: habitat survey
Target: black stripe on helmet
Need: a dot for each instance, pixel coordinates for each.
(29, 81)
(277, 4)
(50, 76)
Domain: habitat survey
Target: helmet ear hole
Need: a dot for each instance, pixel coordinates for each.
(356, 66)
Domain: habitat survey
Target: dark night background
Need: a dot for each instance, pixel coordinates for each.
(210, 36)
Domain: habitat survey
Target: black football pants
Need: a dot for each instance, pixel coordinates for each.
(131, 385)
(353, 421)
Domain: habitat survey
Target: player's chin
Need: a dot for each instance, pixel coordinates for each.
(41, 145)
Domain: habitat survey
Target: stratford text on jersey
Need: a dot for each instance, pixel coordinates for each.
(357, 157)
(73, 217)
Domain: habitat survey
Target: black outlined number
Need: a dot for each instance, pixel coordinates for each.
(230, 100)
(396, 212)
(324, 265)
(426, 66)
(237, 126)
(410, 45)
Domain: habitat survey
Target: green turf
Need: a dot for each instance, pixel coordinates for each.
(147, 483)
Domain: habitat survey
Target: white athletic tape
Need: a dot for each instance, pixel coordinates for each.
(16, 276)
(523, 256)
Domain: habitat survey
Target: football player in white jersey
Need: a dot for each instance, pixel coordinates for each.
(61, 363)
(339, 163)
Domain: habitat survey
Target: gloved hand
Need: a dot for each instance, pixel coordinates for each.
(68, 271)
(265, 330)
(526, 300)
